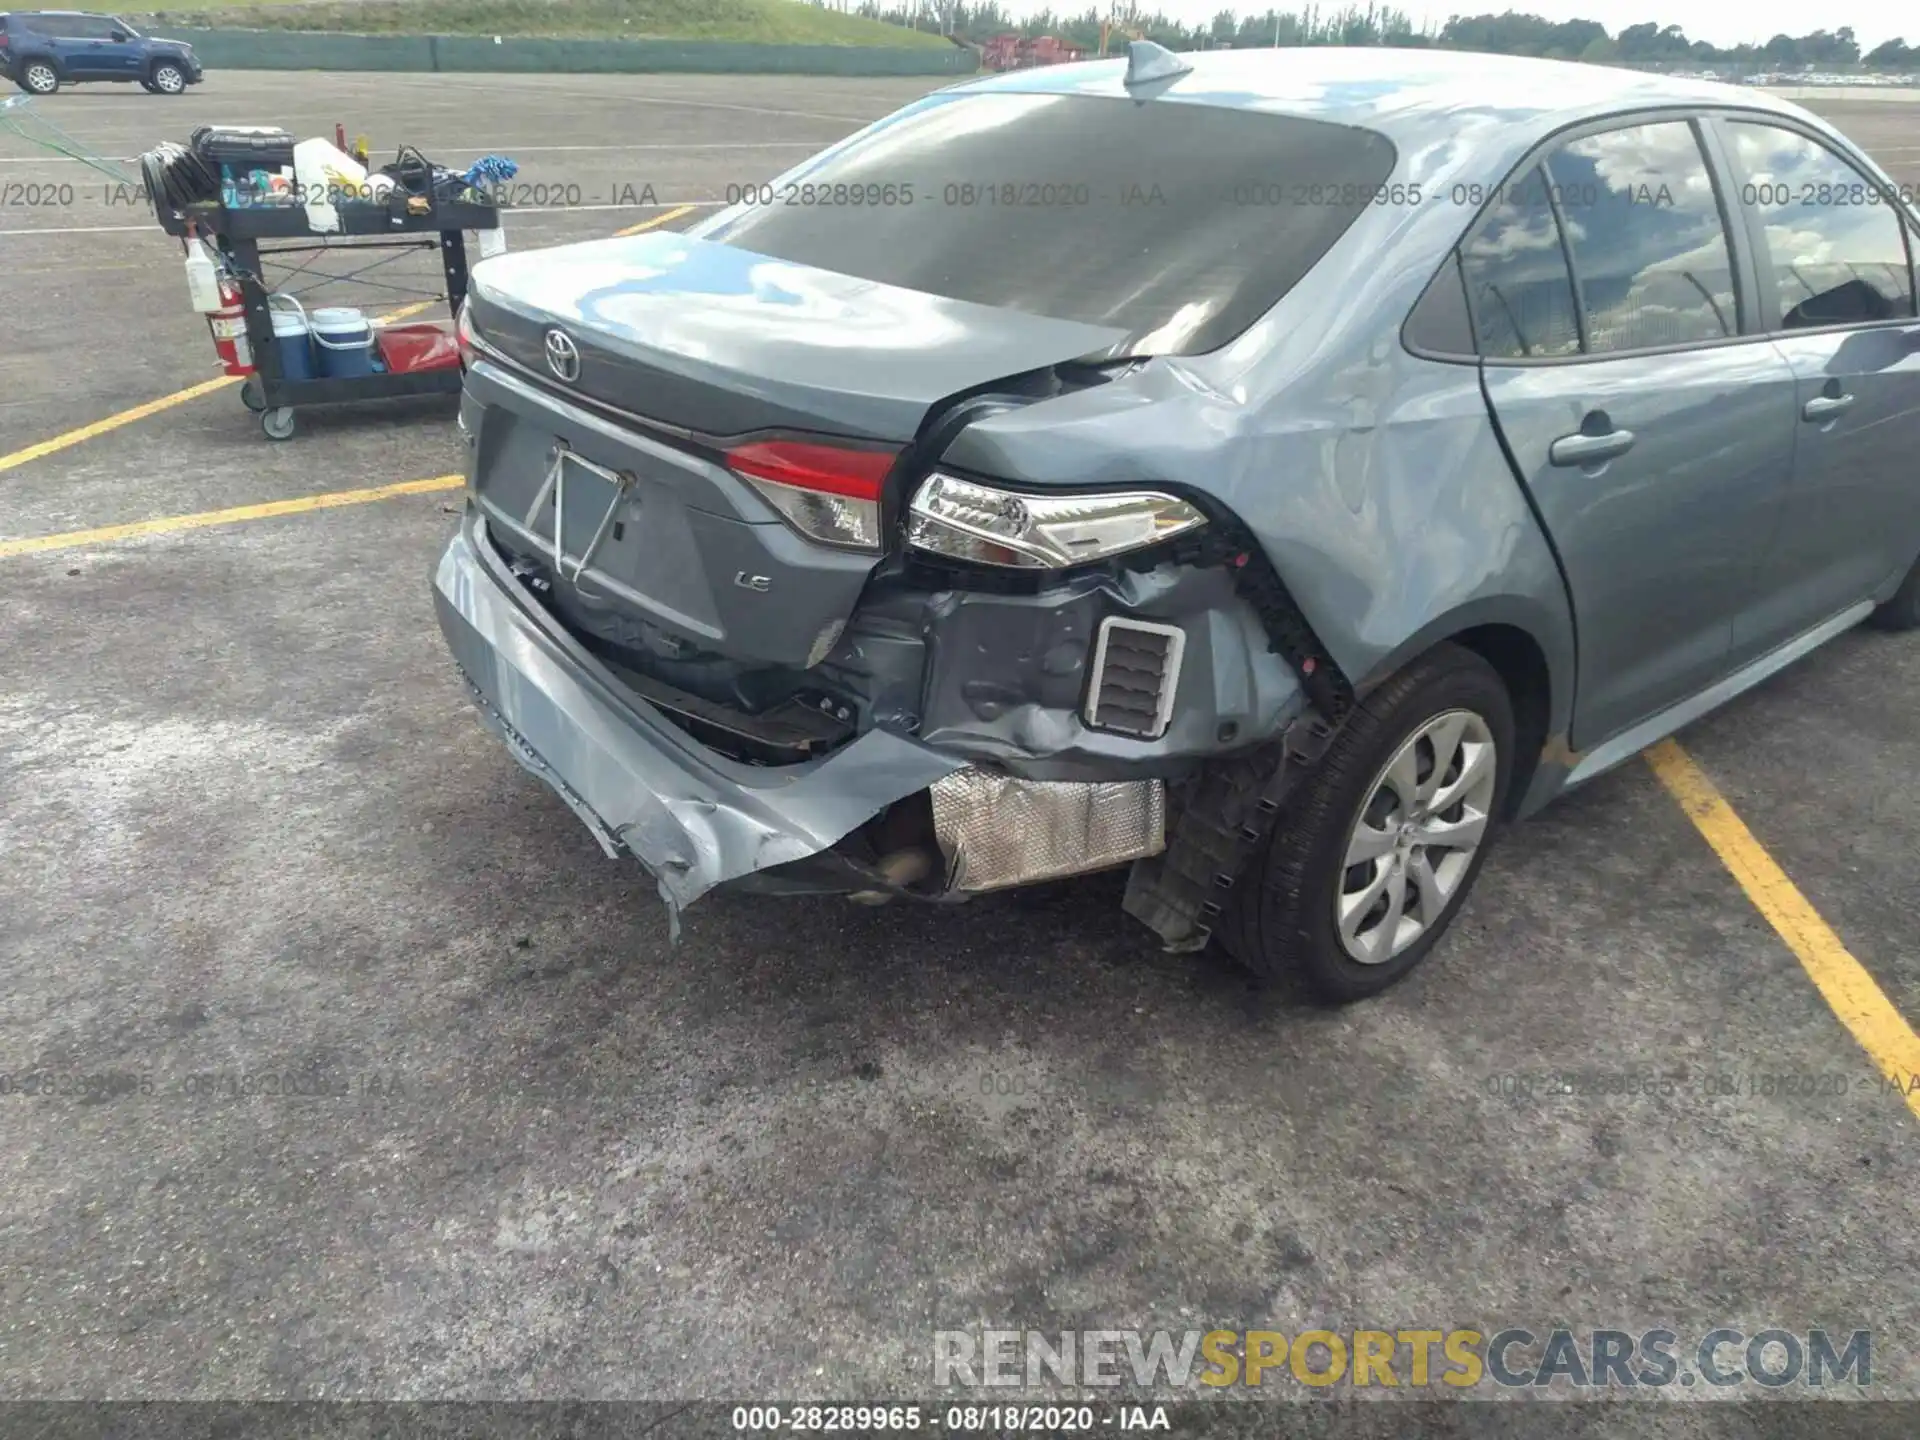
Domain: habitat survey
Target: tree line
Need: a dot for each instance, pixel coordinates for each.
(1509, 34)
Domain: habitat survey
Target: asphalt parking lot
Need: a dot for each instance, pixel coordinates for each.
(251, 827)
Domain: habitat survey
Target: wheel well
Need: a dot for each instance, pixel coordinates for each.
(1522, 667)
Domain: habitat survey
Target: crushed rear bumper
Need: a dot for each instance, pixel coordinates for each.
(694, 819)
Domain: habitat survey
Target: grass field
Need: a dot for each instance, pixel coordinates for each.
(769, 22)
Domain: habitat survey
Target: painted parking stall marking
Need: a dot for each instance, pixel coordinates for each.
(83, 433)
(172, 524)
(1861, 1005)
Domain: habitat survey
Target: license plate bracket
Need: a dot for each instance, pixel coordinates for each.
(614, 484)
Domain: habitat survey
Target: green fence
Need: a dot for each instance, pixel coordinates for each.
(302, 50)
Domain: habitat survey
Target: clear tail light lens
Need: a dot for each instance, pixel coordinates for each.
(829, 493)
(463, 334)
(965, 520)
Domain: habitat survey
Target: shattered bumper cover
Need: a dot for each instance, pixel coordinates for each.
(692, 818)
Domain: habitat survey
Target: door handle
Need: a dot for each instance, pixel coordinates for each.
(1825, 407)
(1581, 448)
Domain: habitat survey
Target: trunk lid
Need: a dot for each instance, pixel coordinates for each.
(675, 348)
(721, 341)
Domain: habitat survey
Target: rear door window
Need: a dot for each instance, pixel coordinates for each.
(1518, 286)
(1177, 223)
(1616, 242)
(1836, 247)
(1651, 262)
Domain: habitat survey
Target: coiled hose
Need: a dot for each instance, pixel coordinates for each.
(178, 177)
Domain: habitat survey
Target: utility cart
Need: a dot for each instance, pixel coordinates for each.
(237, 234)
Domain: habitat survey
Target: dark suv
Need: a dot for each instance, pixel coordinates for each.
(42, 49)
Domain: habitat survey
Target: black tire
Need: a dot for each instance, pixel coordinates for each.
(168, 79)
(149, 87)
(1902, 609)
(1283, 920)
(38, 77)
(277, 424)
(250, 395)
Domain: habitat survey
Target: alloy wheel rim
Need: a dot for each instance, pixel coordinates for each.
(168, 80)
(40, 78)
(1411, 845)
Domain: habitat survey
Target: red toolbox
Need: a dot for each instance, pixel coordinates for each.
(406, 349)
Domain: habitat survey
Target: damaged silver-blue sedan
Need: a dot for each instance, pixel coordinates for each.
(1270, 470)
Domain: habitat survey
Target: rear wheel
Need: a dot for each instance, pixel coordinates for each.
(1902, 610)
(1379, 847)
(37, 77)
(169, 79)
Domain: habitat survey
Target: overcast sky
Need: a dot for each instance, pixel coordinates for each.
(1719, 22)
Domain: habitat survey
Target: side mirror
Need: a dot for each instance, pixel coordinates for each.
(119, 35)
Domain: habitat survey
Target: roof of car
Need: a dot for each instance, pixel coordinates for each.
(1402, 93)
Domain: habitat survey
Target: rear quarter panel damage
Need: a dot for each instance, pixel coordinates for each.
(1007, 675)
(1373, 479)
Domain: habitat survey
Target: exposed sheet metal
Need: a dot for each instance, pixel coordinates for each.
(692, 818)
(997, 831)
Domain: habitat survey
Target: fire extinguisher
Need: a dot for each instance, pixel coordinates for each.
(229, 326)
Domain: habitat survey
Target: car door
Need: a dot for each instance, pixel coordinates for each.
(1651, 424)
(52, 36)
(1835, 274)
(83, 42)
(122, 53)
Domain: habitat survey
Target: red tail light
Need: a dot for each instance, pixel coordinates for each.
(857, 474)
(829, 493)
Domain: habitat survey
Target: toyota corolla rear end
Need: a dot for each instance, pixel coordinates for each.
(753, 573)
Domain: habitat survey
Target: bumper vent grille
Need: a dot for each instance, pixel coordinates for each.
(1136, 668)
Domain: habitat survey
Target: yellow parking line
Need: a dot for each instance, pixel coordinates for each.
(657, 221)
(165, 402)
(207, 387)
(1862, 1006)
(404, 311)
(167, 524)
(114, 422)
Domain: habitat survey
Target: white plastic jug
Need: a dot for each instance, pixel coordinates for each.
(203, 278)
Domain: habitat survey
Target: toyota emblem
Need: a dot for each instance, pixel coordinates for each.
(563, 356)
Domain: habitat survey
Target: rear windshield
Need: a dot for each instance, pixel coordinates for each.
(1178, 223)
